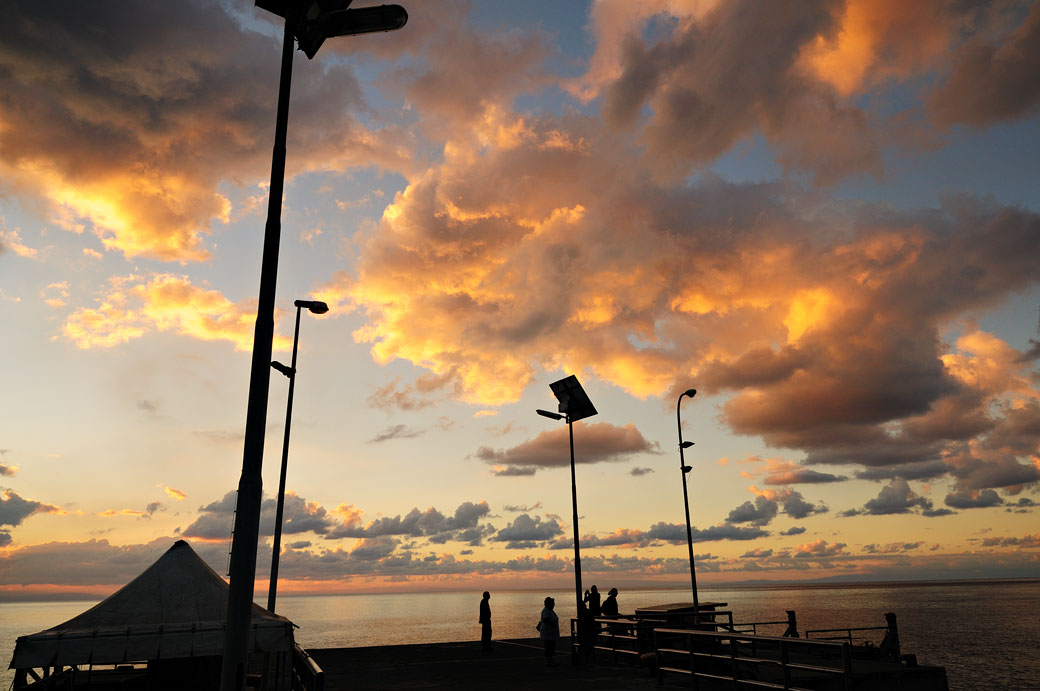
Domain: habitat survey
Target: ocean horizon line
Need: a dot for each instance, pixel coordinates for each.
(14, 597)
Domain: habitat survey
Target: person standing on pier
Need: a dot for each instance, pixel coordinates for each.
(610, 604)
(549, 630)
(592, 600)
(485, 621)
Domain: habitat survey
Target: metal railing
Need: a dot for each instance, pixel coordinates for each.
(306, 674)
(887, 649)
(772, 662)
(752, 626)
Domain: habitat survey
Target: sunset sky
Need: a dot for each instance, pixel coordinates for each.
(822, 215)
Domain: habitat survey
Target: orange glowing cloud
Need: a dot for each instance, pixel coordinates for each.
(175, 493)
(116, 138)
(879, 39)
(165, 302)
(112, 513)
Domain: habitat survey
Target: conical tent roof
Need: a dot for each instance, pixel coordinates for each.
(176, 608)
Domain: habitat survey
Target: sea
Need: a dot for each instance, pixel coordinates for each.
(986, 633)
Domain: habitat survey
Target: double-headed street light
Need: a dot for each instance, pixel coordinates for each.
(310, 22)
(317, 308)
(683, 445)
(574, 405)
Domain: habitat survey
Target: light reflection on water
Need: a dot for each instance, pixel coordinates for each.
(984, 633)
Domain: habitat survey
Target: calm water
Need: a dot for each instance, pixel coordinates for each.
(984, 633)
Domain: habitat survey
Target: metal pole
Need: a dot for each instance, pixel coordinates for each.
(250, 486)
(577, 548)
(686, 506)
(272, 591)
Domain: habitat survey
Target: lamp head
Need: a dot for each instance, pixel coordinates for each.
(687, 468)
(686, 444)
(690, 392)
(315, 306)
(284, 369)
(548, 414)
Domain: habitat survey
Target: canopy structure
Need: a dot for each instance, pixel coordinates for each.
(175, 609)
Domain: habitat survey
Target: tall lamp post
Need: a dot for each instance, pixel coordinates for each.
(686, 501)
(574, 405)
(317, 308)
(310, 22)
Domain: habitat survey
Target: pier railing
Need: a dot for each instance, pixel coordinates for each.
(631, 636)
(306, 674)
(887, 649)
(771, 662)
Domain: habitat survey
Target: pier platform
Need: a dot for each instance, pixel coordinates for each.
(519, 664)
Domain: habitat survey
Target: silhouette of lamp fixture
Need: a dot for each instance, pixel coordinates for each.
(317, 308)
(574, 405)
(308, 23)
(690, 393)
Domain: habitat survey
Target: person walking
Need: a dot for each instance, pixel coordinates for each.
(610, 608)
(485, 621)
(549, 630)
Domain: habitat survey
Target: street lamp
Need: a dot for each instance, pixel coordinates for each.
(686, 501)
(310, 22)
(290, 372)
(574, 405)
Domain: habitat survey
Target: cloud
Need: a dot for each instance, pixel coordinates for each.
(793, 530)
(1027, 541)
(521, 508)
(820, 548)
(14, 509)
(12, 240)
(639, 472)
(175, 493)
(892, 548)
(8, 470)
(759, 513)
(129, 129)
(526, 531)
(780, 472)
(396, 432)
(135, 305)
(215, 519)
(977, 499)
(850, 301)
(897, 498)
(462, 526)
(992, 80)
(596, 443)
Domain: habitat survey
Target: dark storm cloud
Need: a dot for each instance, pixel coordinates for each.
(600, 442)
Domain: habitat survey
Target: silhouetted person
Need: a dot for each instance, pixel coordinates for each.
(485, 621)
(587, 632)
(592, 600)
(610, 604)
(549, 630)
